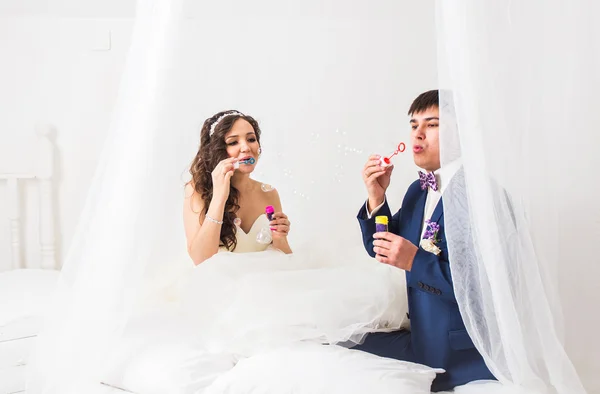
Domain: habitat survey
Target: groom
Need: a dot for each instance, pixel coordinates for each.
(438, 337)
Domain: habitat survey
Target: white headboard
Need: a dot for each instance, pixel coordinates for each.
(32, 159)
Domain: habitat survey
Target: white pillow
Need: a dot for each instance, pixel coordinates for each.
(160, 355)
(173, 368)
(25, 293)
(309, 368)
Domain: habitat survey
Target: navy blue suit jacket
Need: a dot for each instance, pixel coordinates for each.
(438, 337)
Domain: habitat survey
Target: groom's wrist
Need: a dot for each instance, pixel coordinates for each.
(373, 203)
(373, 206)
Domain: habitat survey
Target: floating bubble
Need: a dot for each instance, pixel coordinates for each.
(237, 221)
(266, 188)
(264, 236)
(287, 173)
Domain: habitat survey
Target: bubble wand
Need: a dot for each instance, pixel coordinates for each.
(387, 161)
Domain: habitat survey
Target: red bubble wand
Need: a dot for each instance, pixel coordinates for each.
(387, 161)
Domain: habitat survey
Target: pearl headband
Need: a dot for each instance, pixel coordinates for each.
(216, 123)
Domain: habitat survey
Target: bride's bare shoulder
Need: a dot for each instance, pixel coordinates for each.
(264, 187)
(269, 193)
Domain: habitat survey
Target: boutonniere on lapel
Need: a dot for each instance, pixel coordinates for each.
(430, 238)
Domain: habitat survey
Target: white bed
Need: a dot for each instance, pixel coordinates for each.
(25, 286)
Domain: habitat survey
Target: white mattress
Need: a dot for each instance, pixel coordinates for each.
(24, 295)
(16, 342)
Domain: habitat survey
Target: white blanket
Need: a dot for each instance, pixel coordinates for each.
(267, 322)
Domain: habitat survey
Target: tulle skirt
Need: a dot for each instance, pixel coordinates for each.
(248, 303)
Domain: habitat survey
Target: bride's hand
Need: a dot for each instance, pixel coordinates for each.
(280, 225)
(221, 178)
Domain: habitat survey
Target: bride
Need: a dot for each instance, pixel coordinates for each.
(224, 208)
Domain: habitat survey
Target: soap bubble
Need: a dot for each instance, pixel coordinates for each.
(314, 138)
(266, 188)
(237, 221)
(264, 236)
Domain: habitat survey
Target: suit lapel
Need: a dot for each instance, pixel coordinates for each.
(417, 223)
(438, 211)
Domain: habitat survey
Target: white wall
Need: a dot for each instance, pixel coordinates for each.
(69, 8)
(64, 71)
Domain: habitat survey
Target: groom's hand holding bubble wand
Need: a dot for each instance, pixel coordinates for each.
(389, 248)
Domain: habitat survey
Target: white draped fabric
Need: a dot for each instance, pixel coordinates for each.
(511, 74)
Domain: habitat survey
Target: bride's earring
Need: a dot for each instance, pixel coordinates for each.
(259, 151)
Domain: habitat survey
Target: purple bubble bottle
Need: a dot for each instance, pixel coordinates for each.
(381, 224)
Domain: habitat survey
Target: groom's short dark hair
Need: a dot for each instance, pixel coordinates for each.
(425, 101)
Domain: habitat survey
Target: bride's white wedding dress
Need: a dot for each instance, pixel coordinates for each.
(259, 298)
(246, 241)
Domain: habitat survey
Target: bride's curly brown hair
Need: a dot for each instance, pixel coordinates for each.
(211, 151)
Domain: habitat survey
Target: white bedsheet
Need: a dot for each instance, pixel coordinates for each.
(24, 297)
(16, 342)
(25, 293)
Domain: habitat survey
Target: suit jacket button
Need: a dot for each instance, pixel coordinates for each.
(438, 292)
(421, 285)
